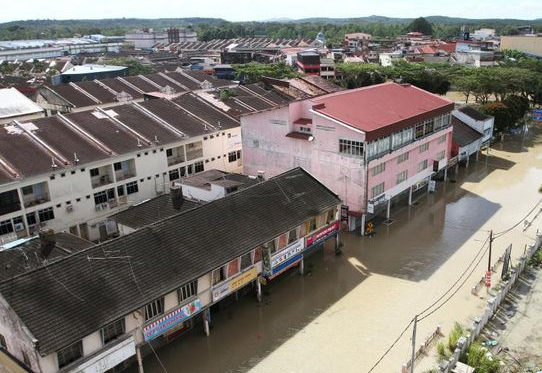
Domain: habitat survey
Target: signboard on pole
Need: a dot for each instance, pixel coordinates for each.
(537, 115)
(506, 262)
(344, 213)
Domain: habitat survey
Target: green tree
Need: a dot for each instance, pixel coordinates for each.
(478, 359)
(253, 72)
(503, 118)
(420, 25)
(134, 66)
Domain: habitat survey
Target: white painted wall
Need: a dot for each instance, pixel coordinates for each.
(92, 343)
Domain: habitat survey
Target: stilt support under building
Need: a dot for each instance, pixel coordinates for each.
(302, 267)
(139, 360)
(258, 290)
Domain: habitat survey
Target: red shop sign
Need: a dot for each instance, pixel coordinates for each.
(322, 233)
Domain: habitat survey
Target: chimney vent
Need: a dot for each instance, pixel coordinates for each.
(176, 196)
(261, 175)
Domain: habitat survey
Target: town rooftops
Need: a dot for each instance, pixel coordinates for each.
(93, 68)
(204, 179)
(151, 211)
(13, 104)
(464, 134)
(64, 301)
(75, 139)
(473, 113)
(382, 109)
(25, 255)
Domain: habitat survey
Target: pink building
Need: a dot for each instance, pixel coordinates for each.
(375, 146)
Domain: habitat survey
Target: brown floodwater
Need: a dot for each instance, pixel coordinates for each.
(350, 308)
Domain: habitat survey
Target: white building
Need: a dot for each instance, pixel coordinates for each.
(69, 172)
(480, 122)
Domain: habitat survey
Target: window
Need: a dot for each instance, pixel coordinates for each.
(94, 172)
(349, 147)
(198, 167)
(194, 150)
(183, 171)
(292, 236)
(441, 139)
(419, 130)
(246, 261)
(378, 147)
(120, 190)
(424, 147)
(440, 155)
(100, 197)
(117, 166)
(154, 308)
(377, 190)
(113, 331)
(379, 168)
(233, 267)
(187, 291)
(402, 176)
(169, 152)
(3, 342)
(271, 245)
(233, 156)
(132, 188)
(69, 354)
(257, 255)
(219, 275)
(9, 202)
(403, 157)
(174, 175)
(31, 218)
(312, 224)
(429, 126)
(46, 214)
(190, 169)
(422, 166)
(6, 227)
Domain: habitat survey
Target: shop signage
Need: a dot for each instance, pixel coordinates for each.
(344, 213)
(109, 358)
(506, 261)
(379, 200)
(171, 320)
(234, 283)
(488, 279)
(432, 186)
(291, 262)
(290, 251)
(537, 115)
(370, 208)
(323, 234)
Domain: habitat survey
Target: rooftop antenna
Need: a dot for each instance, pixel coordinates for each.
(219, 125)
(205, 126)
(139, 144)
(156, 139)
(75, 159)
(53, 164)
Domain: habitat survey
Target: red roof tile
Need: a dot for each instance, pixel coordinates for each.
(381, 109)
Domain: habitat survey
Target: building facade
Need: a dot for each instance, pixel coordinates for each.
(69, 172)
(162, 280)
(372, 146)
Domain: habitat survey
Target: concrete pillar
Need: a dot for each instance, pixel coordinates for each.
(410, 196)
(206, 321)
(139, 360)
(477, 155)
(468, 159)
(389, 209)
(337, 242)
(302, 267)
(258, 290)
(445, 173)
(457, 167)
(363, 224)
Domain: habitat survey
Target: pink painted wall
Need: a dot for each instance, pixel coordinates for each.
(389, 176)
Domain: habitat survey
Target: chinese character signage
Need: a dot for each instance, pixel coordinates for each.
(172, 319)
(323, 234)
(289, 252)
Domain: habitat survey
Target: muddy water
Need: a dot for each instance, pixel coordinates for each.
(351, 307)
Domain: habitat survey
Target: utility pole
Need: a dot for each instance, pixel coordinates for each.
(490, 244)
(413, 344)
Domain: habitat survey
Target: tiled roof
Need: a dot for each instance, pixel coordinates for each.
(26, 256)
(239, 44)
(205, 178)
(78, 295)
(382, 109)
(151, 211)
(463, 134)
(473, 113)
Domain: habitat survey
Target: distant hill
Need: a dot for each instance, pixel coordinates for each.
(433, 19)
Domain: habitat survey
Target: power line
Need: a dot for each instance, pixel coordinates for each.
(392, 346)
(502, 233)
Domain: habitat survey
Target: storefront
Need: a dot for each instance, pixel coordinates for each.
(291, 256)
(234, 283)
(173, 323)
(420, 189)
(315, 240)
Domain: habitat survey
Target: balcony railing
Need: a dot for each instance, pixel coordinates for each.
(33, 200)
(101, 180)
(174, 160)
(124, 174)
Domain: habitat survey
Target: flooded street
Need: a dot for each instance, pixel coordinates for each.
(350, 308)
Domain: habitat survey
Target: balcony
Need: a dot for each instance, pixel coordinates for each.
(125, 174)
(100, 180)
(35, 194)
(175, 160)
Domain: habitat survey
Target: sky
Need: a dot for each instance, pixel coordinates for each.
(246, 10)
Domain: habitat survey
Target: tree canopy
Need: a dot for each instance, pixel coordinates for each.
(254, 71)
(420, 25)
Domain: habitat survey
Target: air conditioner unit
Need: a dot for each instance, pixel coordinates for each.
(19, 227)
(69, 208)
(98, 207)
(104, 206)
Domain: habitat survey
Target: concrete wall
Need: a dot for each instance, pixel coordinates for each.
(18, 338)
(74, 185)
(482, 126)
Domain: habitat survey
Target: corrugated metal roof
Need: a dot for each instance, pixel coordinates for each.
(13, 103)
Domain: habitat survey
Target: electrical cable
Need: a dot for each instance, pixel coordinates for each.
(502, 233)
(392, 346)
